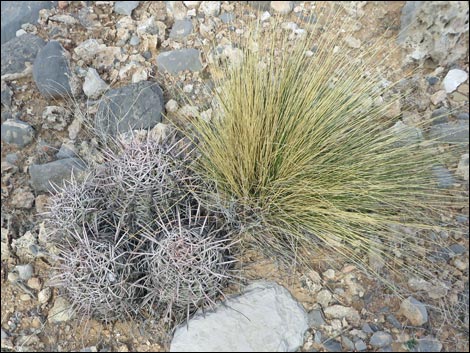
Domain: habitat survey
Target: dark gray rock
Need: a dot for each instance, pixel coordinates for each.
(18, 51)
(125, 7)
(440, 116)
(227, 17)
(315, 318)
(7, 94)
(16, 13)
(136, 106)
(332, 346)
(443, 176)
(181, 29)
(17, 132)
(43, 176)
(381, 339)
(51, 71)
(367, 329)
(175, 61)
(432, 80)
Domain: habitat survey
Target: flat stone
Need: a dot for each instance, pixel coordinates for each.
(175, 61)
(133, 107)
(264, 317)
(414, 311)
(55, 173)
(332, 346)
(181, 29)
(453, 79)
(15, 13)
(125, 7)
(66, 151)
(51, 71)
(438, 97)
(360, 345)
(25, 272)
(61, 311)
(463, 116)
(458, 249)
(406, 135)
(450, 133)
(443, 176)
(393, 320)
(381, 339)
(17, 52)
(17, 132)
(93, 86)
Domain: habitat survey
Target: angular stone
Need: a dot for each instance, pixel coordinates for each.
(227, 17)
(427, 344)
(260, 5)
(406, 135)
(125, 7)
(93, 86)
(16, 13)
(264, 318)
(462, 168)
(17, 132)
(210, 8)
(440, 116)
(315, 318)
(181, 29)
(51, 71)
(61, 311)
(17, 52)
(7, 94)
(414, 311)
(175, 61)
(133, 107)
(43, 176)
(282, 7)
(453, 79)
(381, 339)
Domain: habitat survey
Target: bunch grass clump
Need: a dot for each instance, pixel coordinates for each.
(118, 230)
(303, 146)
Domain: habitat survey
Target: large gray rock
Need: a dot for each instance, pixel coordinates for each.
(264, 318)
(432, 29)
(181, 29)
(381, 339)
(175, 61)
(136, 106)
(17, 52)
(43, 176)
(449, 132)
(16, 13)
(51, 71)
(125, 7)
(17, 132)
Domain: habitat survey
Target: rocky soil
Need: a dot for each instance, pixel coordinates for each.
(68, 65)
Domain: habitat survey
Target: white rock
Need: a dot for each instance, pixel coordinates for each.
(88, 49)
(159, 132)
(438, 97)
(188, 88)
(453, 79)
(264, 318)
(324, 298)
(191, 4)
(171, 106)
(140, 75)
(282, 7)
(93, 86)
(20, 32)
(210, 8)
(25, 272)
